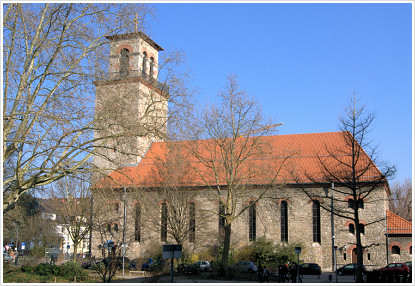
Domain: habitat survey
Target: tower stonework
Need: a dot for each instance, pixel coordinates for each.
(130, 104)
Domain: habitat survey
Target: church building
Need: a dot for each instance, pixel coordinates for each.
(146, 189)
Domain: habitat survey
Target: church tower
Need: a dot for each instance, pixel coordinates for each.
(130, 104)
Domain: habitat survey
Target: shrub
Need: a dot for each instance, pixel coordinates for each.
(45, 269)
(26, 268)
(72, 269)
(38, 251)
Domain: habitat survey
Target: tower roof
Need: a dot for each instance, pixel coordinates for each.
(135, 35)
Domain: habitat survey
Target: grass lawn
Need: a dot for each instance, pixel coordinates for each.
(14, 275)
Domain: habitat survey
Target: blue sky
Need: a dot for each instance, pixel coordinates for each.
(303, 62)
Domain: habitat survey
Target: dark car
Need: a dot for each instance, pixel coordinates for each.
(244, 267)
(150, 265)
(350, 268)
(409, 264)
(395, 268)
(310, 269)
(116, 261)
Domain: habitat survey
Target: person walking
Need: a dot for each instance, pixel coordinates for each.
(265, 275)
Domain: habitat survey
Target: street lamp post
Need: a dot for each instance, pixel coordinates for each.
(17, 240)
(298, 251)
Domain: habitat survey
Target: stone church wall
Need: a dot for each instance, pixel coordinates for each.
(300, 226)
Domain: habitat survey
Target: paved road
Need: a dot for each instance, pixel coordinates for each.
(324, 278)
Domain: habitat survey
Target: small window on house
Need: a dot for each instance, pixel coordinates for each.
(115, 227)
(116, 207)
(362, 228)
(350, 203)
(368, 257)
(344, 256)
(360, 204)
(351, 228)
(109, 227)
(410, 250)
(396, 250)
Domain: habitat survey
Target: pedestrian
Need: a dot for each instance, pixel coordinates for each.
(293, 272)
(260, 273)
(266, 274)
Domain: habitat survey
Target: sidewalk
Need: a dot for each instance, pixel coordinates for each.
(323, 278)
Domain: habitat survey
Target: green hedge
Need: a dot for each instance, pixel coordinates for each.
(68, 270)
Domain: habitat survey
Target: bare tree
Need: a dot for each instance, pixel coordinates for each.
(53, 55)
(72, 204)
(350, 166)
(228, 145)
(172, 178)
(400, 201)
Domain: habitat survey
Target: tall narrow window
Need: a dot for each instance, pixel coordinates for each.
(151, 67)
(252, 221)
(163, 221)
(115, 227)
(137, 223)
(109, 228)
(124, 62)
(221, 220)
(316, 222)
(362, 228)
(284, 221)
(360, 204)
(144, 71)
(351, 228)
(192, 222)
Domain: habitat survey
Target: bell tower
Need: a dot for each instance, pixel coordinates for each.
(130, 104)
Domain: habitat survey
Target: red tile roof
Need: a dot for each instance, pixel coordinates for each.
(398, 225)
(298, 153)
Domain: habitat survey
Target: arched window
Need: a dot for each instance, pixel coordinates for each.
(163, 232)
(137, 223)
(144, 71)
(192, 222)
(151, 67)
(316, 222)
(252, 221)
(116, 207)
(351, 228)
(284, 221)
(396, 250)
(124, 62)
(109, 227)
(115, 227)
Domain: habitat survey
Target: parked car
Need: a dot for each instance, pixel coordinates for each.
(150, 265)
(350, 268)
(244, 267)
(116, 261)
(7, 257)
(199, 266)
(394, 268)
(409, 264)
(87, 264)
(310, 269)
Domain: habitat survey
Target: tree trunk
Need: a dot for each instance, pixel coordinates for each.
(75, 250)
(226, 248)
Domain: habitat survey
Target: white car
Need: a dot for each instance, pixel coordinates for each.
(202, 265)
